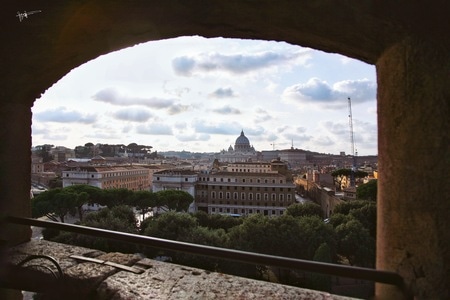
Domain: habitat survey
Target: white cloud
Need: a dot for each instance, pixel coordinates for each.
(223, 93)
(112, 96)
(255, 131)
(177, 109)
(227, 110)
(180, 126)
(136, 95)
(301, 129)
(261, 116)
(239, 63)
(193, 137)
(98, 136)
(336, 128)
(202, 126)
(132, 114)
(323, 141)
(127, 128)
(316, 91)
(63, 115)
(154, 129)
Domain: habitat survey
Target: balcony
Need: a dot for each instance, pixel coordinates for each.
(59, 270)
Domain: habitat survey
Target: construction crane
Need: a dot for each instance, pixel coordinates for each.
(352, 143)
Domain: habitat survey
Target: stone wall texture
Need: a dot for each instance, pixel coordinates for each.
(407, 40)
(158, 280)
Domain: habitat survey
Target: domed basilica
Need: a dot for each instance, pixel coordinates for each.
(242, 152)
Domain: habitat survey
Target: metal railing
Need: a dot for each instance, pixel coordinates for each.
(380, 276)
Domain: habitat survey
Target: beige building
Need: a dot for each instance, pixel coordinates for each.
(245, 189)
(130, 177)
(250, 167)
(180, 180)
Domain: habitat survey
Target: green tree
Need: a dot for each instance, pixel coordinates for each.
(271, 235)
(304, 209)
(360, 174)
(315, 232)
(362, 210)
(217, 221)
(82, 152)
(367, 191)
(63, 203)
(203, 236)
(116, 197)
(175, 200)
(367, 216)
(144, 201)
(320, 281)
(287, 236)
(119, 218)
(142, 150)
(347, 206)
(171, 225)
(56, 202)
(355, 243)
(337, 219)
(84, 194)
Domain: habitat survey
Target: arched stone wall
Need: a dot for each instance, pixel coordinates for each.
(408, 41)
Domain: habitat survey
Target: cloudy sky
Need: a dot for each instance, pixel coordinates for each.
(197, 94)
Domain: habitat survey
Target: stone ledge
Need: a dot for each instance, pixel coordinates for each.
(160, 280)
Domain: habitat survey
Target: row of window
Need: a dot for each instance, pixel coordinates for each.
(159, 178)
(243, 188)
(130, 183)
(250, 170)
(266, 166)
(273, 204)
(249, 196)
(243, 180)
(244, 211)
(108, 175)
(125, 173)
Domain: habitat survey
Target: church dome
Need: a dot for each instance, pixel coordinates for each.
(242, 140)
(242, 143)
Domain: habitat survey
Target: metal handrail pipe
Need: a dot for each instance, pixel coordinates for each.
(380, 276)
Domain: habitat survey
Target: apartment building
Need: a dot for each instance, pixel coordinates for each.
(245, 188)
(130, 177)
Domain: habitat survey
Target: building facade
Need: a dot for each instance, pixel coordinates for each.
(243, 190)
(135, 178)
(292, 155)
(182, 180)
(250, 167)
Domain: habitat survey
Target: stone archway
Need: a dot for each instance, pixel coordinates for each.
(407, 41)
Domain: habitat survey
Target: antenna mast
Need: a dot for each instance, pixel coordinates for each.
(352, 143)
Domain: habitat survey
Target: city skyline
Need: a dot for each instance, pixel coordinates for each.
(197, 94)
